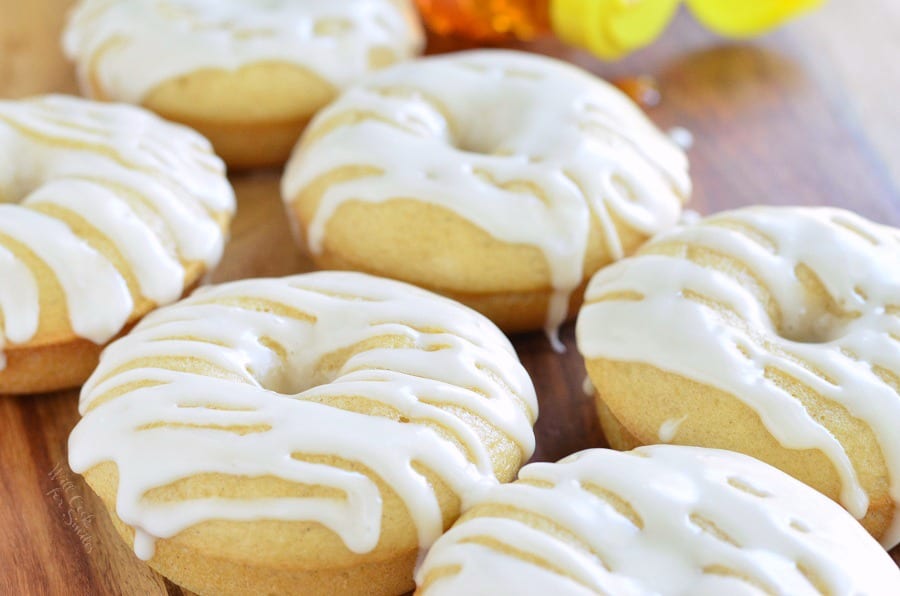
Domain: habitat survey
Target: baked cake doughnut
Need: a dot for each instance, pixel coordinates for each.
(770, 331)
(249, 74)
(663, 520)
(300, 435)
(498, 178)
(106, 212)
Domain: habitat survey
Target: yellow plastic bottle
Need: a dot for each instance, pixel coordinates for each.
(608, 28)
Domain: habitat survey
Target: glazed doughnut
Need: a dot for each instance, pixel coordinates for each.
(770, 331)
(248, 75)
(106, 211)
(300, 435)
(498, 178)
(664, 520)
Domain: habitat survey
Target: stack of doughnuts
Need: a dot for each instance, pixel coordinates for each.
(326, 432)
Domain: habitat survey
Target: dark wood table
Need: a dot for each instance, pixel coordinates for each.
(809, 115)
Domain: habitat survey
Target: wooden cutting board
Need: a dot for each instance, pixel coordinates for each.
(806, 116)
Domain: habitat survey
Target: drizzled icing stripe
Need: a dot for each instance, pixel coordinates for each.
(267, 340)
(527, 148)
(132, 47)
(836, 349)
(69, 256)
(159, 273)
(152, 189)
(657, 520)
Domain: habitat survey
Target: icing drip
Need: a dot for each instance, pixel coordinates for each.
(658, 520)
(529, 149)
(669, 429)
(587, 386)
(151, 189)
(557, 311)
(837, 351)
(19, 297)
(681, 137)
(132, 47)
(689, 217)
(445, 358)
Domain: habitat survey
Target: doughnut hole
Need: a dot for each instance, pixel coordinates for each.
(493, 120)
(823, 319)
(818, 319)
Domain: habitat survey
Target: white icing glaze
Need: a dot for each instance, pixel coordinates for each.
(19, 295)
(454, 130)
(455, 359)
(689, 217)
(669, 428)
(681, 137)
(159, 273)
(587, 386)
(709, 522)
(102, 163)
(858, 263)
(132, 47)
(97, 309)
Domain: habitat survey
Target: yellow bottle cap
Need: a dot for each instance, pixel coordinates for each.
(743, 18)
(611, 28)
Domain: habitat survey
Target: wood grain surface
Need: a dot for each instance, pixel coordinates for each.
(808, 115)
